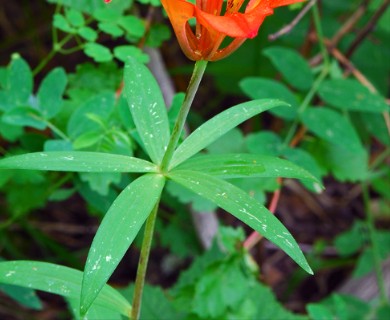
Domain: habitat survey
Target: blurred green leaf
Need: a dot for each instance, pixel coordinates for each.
(262, 88)
(87, 33)
(350, 95)
(117, 231)
(98, 52)
(25, 296)
(60, 22)
(50, 93)
(264, 143)
(133, 25)
(111, 29)
(292, 66)
(19, 81)
(75, 17)
(332, 127)
(92, 6)
(100, 182)
(157, 34)
(24, 116)
(124, 52)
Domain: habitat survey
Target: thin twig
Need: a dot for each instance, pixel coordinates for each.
(287, 29)
(367, 28)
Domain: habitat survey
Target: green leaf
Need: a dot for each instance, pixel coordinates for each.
(214, 128)
(77, 161)
(349, 94)
(292, 66)
(100, 106)
(60, 22)
(95, 312)
(264, 143)
(20, 81)
(24, 116)
(100, 182)
(59, 280)
(124, 52)
(75, 17)
(25, 296)
(245, 166)
(147, 108)
(262, 88)
(50, 93)
(332, 127)
(93, 6)
(133, 25)
(111, 29)
(88, 139)
(243, 207)
(98, 52)
(157, 34)
(117, 231)
(87, 33)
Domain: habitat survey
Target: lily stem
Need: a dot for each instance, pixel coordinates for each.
(143, 263)
(197, 75)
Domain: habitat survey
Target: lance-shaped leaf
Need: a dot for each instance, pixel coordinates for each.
(245, 165)
(242, 206)
(77, 161)
(59, 280)
(117, 231)
(214, 128)
(147, 108)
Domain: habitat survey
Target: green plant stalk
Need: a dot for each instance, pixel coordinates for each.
(143, 263)
(197, 75)
(325, 70)
(374, 245)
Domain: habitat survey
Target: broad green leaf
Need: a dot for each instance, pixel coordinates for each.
(262, 88)
(98, 52)
(332, 127)
(245, 166)
(94, 312)
(59, 280)
(24, 116)
(242, 206)
(124, 52)
(77, 161)
(264, 143)
(117, 231)
(50, 93)
(157, 34)
(100, 182)
(19, 81)
(214, 128)
(349, 94)
(100, 105)
(147, 108)
(88, 139)
(292, 66)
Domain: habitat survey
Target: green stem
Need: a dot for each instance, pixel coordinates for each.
(199, 69)
(143, 263)
(374, 245)
(325, 70)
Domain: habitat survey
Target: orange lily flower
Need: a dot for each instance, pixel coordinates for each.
(212, 27)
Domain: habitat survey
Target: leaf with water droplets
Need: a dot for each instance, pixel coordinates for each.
(147, 108)
(216, 127)
(240, 165)
(59, 280)
(117, 231)
(77, 161)
(242, 206)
